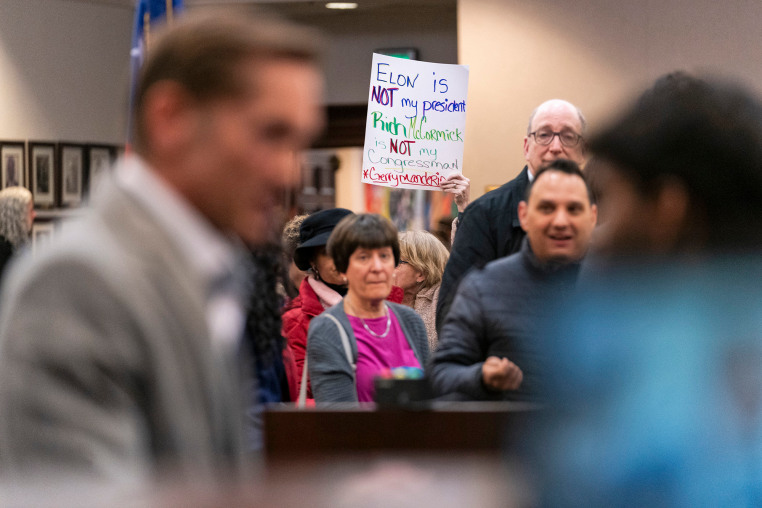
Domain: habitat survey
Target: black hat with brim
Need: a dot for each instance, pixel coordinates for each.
(314, 232)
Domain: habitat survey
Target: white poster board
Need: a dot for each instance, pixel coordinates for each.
(414, 132)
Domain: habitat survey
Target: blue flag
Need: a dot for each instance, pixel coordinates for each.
(148, 15)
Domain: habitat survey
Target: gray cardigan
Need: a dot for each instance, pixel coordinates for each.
(331, 375)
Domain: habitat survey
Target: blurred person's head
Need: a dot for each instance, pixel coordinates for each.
(682, 170)
(313, 236)
(365, 249)
(675, 81)
(223, 104)
(16, 215)
(422, 261)
(555, 130)
(558, 214)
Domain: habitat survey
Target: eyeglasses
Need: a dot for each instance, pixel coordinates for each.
(545, 137)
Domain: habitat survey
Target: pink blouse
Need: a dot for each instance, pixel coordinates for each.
(377, 353)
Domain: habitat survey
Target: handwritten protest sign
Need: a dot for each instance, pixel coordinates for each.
(414, 132)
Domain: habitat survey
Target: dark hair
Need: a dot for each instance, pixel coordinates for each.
(562, 166)
(365, 230)
(263, 321)
(675, 81)
(708, 136)
(592, 172)
(203, 53)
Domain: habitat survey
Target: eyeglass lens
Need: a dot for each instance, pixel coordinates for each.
(567, 138)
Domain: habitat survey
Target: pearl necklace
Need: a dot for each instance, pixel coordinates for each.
(388, 325)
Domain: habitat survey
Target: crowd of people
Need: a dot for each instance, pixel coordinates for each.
(128, 345)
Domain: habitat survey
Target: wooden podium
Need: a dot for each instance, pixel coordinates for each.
(484, 428)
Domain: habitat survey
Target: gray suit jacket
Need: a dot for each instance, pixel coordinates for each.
(106, 365)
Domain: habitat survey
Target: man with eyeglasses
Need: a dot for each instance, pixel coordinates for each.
(489, 228)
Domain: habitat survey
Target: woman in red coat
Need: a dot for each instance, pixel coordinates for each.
(321, 289)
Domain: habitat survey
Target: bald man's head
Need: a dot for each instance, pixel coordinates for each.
(556, 129)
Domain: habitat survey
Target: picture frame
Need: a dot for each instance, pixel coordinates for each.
(71, 166)
(13, 163)
(42, 234)
(100, 159)
(42, 171)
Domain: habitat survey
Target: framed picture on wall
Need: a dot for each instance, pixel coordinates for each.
(42, 171)
(100, 158)
(42, 233)
(13, 163)
(71, 164)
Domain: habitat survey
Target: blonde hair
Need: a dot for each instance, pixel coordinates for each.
(424, 253)
(14, 210)
(290, 236)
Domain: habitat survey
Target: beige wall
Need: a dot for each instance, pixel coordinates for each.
(64, 64)
(349, 189)
(430, 29)
(64, 68)
(594, 53)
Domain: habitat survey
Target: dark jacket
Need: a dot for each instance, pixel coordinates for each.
(495, 313)
(488, 229)
(6, 252)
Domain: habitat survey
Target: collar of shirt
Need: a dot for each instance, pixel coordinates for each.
(215, 256)
(547, 267)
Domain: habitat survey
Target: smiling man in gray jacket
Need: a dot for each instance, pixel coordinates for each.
(487, 348)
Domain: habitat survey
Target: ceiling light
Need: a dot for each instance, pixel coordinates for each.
(341, 5)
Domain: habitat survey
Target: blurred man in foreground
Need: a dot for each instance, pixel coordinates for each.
(488, 346)
(657, 379)
(120, 343)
